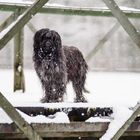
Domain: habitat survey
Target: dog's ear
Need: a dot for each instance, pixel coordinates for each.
(56, 39)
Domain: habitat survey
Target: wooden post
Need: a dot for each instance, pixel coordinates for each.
(6, 35)
(120, 132)
(123, 20)
(19, 81)
(28, 131)
(102, 41)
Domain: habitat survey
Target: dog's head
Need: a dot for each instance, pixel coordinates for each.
(46, 42)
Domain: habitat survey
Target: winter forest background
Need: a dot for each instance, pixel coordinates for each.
(119, 53)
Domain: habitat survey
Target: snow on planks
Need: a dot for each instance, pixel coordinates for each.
(74, 113)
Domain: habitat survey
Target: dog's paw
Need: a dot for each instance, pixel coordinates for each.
(44, 100)
(80, 99)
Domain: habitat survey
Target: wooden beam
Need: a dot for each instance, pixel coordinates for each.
(102, 42)
(6, 35)
(27, 130)
(31, 27)
(62, 130)
(123, 20)
(67, 10)
(7, 22)
(19, 81)
(120, 132)
(73, 129)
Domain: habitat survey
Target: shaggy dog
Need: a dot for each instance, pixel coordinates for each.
(56, 65)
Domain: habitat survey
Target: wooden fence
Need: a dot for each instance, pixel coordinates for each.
(22, 14)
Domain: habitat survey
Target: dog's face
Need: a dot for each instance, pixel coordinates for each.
(46, 41)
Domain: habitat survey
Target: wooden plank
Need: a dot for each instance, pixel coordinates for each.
(102, 41)
(31, 27)
(66, 10)
(19, 81)
(73, 129)
(7, 22)
(57, 130)
(20, 22)
(27, 130)
(123, 20)
(120, 132)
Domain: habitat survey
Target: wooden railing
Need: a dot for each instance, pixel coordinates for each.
(23, 13)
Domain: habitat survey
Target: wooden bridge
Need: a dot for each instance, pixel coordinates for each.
(12, 27)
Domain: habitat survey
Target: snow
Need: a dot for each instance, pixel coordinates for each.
(4, 117)
(98, 119)
(27, 3)
(107, 89)
(16, 1)
(111, 89)
(129, 9)
(120, 115)
(59, 117)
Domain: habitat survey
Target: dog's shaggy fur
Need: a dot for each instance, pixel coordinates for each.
(56, 65)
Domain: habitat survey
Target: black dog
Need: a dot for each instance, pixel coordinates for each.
(56, 65)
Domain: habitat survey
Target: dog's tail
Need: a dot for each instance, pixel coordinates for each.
(85, 90)
(84, 71)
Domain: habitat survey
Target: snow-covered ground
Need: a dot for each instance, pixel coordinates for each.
(107, 89)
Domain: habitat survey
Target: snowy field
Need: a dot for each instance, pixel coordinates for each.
(107, 89)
